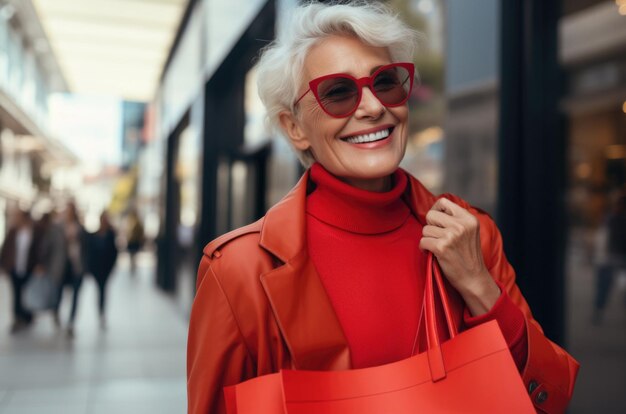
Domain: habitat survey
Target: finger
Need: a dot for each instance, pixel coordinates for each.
(433, 231)
(439, 219)
(449, 207)
(430, 244)
(427, 243)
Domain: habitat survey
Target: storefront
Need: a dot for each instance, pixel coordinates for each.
(29, 73)
(209, 170)
(593, 56)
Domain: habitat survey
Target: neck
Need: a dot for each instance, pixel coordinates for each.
(378, 185)
(344, 206)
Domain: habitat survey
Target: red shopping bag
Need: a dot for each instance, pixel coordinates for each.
(472, 372)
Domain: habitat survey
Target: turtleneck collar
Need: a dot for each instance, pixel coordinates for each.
(341, 205)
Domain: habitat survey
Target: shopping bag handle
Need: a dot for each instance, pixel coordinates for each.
(435, 357)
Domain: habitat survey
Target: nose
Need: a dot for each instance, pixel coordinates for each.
(370, 106)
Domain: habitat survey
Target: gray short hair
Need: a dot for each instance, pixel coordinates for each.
(280, 64)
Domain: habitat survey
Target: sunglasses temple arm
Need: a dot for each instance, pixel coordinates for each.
(303, 95)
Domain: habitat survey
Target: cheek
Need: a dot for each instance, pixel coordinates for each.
(401, 113)
(320, 127)
(312, 118)
(309, 107)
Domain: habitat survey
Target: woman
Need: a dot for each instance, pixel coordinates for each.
(18, 258)
(52, 254)
(332, 277)
(76, 259)
(102, 254)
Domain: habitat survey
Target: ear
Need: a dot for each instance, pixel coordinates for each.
(294, 132)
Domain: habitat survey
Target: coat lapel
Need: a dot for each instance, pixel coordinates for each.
(300, 304)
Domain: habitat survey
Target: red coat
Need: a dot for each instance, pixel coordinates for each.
(260, 306)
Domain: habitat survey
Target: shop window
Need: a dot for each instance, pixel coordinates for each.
(4, 51)
(282, 164)
(187, 175)
(15, 62)
(595, 255)
(425, 147)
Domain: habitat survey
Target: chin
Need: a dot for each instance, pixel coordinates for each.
(378, 168)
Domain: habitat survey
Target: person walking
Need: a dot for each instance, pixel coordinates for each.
(134, 238)
(611, 256)
(76, 242)
(52, 255)
(18, 258)
(102, 255)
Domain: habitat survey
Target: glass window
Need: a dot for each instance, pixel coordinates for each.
(4, 52)
(282, 164)
(187, 168)
(594, 61)
(15, 62)
(41, 95)
(28, 90)
(255, 130)
(424, 155)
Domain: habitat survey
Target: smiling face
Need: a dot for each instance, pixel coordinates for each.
(364, 148)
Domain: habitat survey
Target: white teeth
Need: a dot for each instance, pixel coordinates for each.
(374, 136)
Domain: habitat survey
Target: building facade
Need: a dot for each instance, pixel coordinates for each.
(32, 162)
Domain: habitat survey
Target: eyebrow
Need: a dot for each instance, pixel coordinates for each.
(375, 68)
(347, 72)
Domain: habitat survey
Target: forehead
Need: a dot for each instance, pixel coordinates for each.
(343, 54)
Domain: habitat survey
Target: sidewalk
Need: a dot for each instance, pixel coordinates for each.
(600, 349)
(136, 365)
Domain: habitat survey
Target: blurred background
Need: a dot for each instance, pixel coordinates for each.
(146, 110)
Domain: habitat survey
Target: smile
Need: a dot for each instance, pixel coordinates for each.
(371, 137)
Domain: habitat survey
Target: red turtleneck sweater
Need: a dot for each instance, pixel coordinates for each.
(353, 235)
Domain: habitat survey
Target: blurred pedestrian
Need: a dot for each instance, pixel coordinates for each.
(102, 255)
(611, 254)
(75, 264)
(52, 256)
(18, 259)
(134, 238)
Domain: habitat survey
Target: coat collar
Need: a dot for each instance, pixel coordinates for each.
(300, 304)
(284, 233)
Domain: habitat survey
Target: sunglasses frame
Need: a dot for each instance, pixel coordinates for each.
(361, 82)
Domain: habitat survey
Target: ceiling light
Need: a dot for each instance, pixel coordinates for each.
(622, 9)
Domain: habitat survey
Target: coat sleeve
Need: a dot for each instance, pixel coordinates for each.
(6, 253)
(216, 353)
(550, 372)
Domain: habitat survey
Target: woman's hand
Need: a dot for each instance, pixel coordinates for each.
(452, 234)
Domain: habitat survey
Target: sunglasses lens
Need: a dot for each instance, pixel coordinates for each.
(338, 95)
(392, 85)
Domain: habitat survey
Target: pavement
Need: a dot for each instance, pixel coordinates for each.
(135, 365)
(600, 349)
